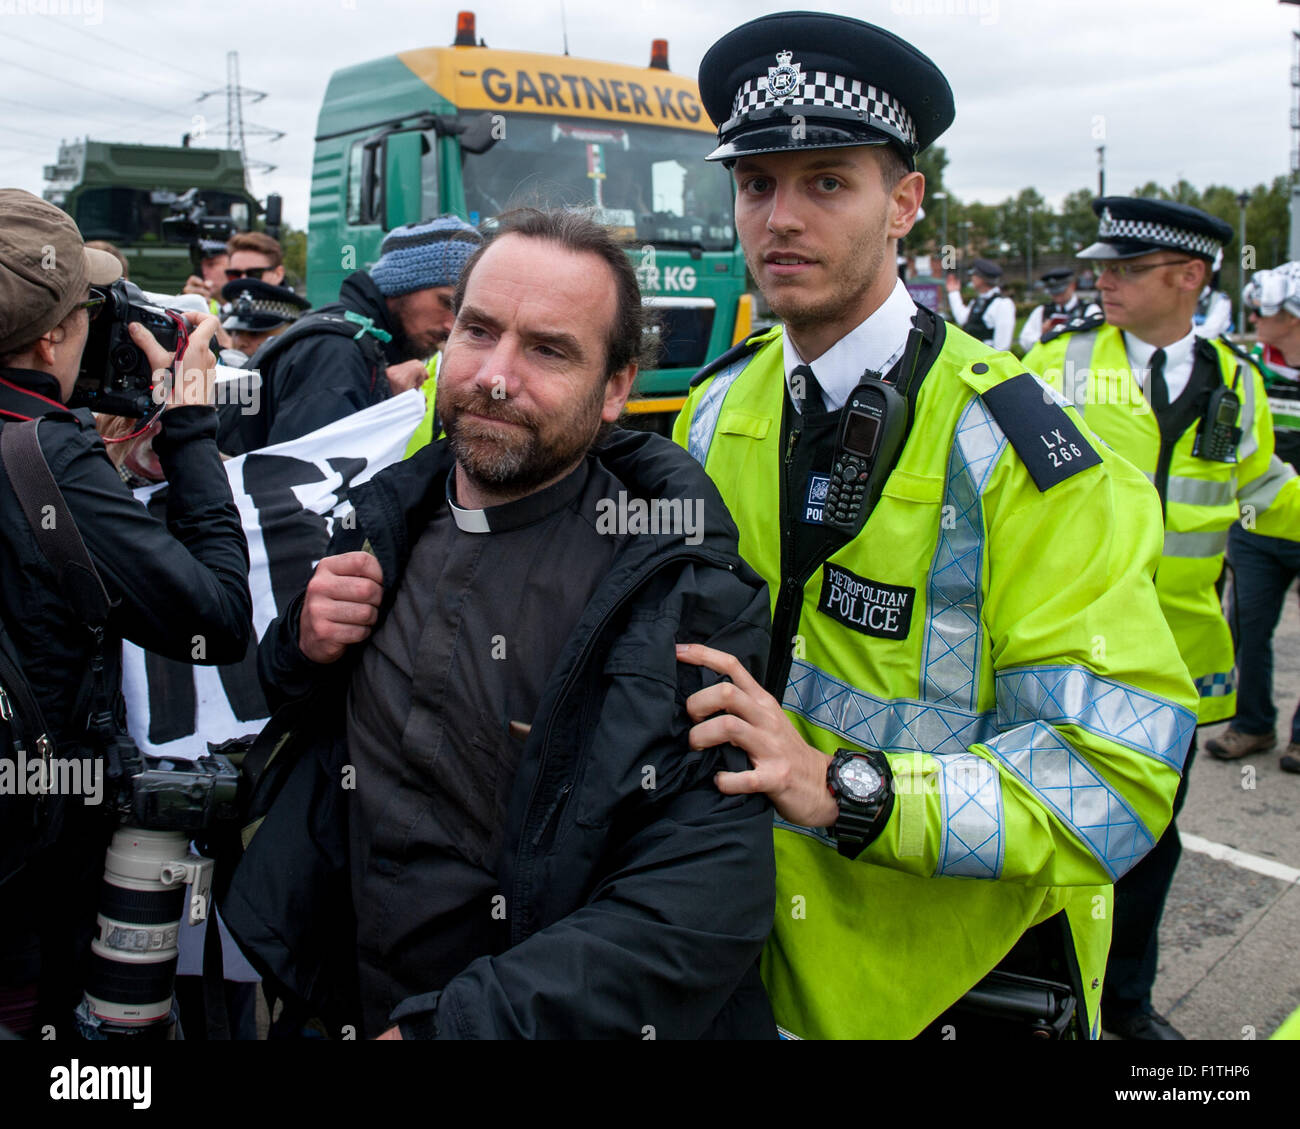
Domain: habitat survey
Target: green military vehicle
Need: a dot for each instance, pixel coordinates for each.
(123, 193)
(474, 130)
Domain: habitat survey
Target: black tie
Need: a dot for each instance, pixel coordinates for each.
(1157, 389)
(813, 402)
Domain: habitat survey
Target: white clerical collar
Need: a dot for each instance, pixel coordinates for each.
(522, 511)
(875, 344)
(468, 521)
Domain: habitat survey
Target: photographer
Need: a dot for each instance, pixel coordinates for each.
(179, 589)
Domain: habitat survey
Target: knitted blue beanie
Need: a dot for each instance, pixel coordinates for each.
(424, 255)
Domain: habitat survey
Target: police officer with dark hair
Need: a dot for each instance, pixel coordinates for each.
(169, 583)
(991, 318)
(955, 782)
(1064, 306)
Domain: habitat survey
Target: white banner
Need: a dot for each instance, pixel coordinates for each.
(289, 497)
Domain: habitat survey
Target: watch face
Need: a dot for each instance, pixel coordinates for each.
(859, 779)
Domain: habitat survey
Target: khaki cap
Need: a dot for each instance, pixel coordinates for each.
(45, 268)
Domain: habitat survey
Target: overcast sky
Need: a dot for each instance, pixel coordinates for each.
(1182, 88)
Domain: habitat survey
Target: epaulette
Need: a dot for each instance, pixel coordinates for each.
(1082, 324)
(735, 353)
(1048, 442)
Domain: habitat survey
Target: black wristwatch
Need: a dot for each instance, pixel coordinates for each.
(862, 785)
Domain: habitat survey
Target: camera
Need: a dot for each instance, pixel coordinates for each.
(115, 375)
(161, 804)
(190, 223)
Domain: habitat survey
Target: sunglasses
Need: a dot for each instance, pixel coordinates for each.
(251, 272)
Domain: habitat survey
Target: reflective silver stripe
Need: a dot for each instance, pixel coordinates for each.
(950, 658)
(1096, 1025)
(1216, 685)
(705, 420)
(1262, 492)
(1073, 695)
(970, 796)
(1202, 545)
(899, 724)
(1249, 441)
(1068, 785)
(1078, 368)
(1199, 492)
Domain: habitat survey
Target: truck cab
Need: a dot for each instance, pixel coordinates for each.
(477, 131)
(122, 193)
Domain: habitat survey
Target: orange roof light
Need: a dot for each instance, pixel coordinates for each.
(464, 30)
(659, 54)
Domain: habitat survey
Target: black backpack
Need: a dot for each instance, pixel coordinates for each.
(233, 437)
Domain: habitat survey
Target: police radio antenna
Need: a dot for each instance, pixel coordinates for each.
(564, 27)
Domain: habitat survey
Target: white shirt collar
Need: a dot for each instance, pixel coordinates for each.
(874, 344)
(1178, 361)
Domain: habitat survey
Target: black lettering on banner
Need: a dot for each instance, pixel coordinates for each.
(572, 80)
(1045, 438)
(526, 89)
(690, 107)
(639, 99)
(551, 88)
(498, 91)
(295, 539)
(666, 107)
(243, 688)
(868, 606)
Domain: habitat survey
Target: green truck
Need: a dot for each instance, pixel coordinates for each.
(122, 193)
(474, 130)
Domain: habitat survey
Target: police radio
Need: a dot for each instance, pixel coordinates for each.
(1218, 436)
(872, 430)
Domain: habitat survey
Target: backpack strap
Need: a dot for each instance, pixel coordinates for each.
(52, 523)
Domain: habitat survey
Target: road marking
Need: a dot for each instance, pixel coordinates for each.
(1270, 867)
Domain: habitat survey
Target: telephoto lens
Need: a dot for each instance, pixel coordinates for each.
(133, 956)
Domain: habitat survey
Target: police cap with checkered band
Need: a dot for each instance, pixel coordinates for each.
(1130, 226)
(848, 83)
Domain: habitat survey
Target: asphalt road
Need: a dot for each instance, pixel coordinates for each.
(1230, 939)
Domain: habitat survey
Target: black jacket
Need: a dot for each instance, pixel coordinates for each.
(630, 908)
(173, 587)
(320, 377)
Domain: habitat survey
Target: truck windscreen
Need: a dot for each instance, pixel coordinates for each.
(648, 184)
(135, 215)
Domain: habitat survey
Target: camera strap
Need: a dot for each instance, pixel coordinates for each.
(60, 542)
(52, 523)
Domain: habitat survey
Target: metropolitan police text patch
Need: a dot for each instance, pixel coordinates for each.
(883, 610)
(1045, 438)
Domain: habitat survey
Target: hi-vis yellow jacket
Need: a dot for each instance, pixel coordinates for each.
(423, 434)
(1202, 498)
(1031, 700)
